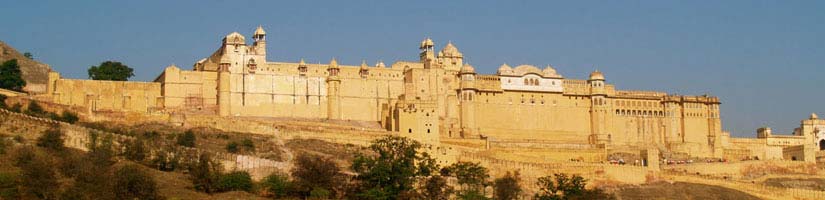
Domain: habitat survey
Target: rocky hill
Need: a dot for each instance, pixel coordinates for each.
(35, 73)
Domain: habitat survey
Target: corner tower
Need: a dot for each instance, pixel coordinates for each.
(598, 109)
(259, 46)
(467, 95)
(427, 55)
(333, 91)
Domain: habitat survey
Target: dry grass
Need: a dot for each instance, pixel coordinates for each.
(342, 153)
(679, 190)
(798, 183)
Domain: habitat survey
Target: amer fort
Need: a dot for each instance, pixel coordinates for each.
(523, 117)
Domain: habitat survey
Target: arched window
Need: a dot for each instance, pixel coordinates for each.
(409, 131)
(821, 144)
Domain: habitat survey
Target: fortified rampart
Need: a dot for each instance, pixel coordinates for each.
(78, 137)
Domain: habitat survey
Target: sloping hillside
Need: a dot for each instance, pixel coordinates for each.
(35, 73)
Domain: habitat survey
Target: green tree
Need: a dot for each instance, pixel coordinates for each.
(394, 170)
(28, 55)
(313, 172)
(564, 187)
(133, 183)
(507, 187)
(436, 188)
(187, 139)
(111, 70)
(472, 176)
(11, 77)
(236, 181)
(205, 173)
(51, 139)
(277, 185)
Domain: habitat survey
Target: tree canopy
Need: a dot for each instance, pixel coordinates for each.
(111, 70)
(10, 76)
(394, 170)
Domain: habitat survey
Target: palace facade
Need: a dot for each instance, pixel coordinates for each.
(437, 96)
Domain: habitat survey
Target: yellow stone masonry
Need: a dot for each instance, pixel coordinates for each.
(437, 97)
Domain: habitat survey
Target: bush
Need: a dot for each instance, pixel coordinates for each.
(436, 188)
(166, 160)
(35, 109)
(319, 193)
(205, 174)
(3, 101)
(312, 172)
(507, 187)
(232, 147)
(563, 186)
(69, 117)
(236, 181)
(51, 139)
(37, 177)
(135, 150)
(277, 185)
(187, 139)
(248, 145)
(132, 183)
(10, 76)
(17, 108)
(8, 186)
(19, 139)
(4, 143)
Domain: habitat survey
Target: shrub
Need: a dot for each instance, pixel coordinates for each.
(69, 117)
(507, 187)
(166, 160)
(205, 174)
(3, 101)
(51, 139)
(436, 188)
(135, 150)
(35, 109)
(187, 139)
(277, 184)
(36, 175)
(4, 143)
(319, 193)
(313, 172)
(563, 186)
(232, 147)
(235, 181)
(132, 183)
(10, 76)
(248, 145)
(8, 186)
(17, 108)
(19, 139)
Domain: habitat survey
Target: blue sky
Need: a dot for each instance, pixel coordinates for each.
(764, 59)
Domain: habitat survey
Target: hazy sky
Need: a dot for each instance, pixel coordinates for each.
(764, 59)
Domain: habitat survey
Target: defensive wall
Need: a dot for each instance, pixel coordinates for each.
(78, 137)
(759, 190)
